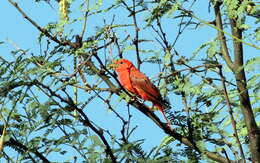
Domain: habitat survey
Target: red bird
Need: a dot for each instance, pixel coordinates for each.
(137, 83)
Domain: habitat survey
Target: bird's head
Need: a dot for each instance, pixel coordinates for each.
(121, 64)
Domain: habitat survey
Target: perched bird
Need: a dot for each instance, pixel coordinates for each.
(137, 83)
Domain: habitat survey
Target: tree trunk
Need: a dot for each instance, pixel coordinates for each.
(252, 129)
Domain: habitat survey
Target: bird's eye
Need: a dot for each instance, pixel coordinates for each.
(121, 62)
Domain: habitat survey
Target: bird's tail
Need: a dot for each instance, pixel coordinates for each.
(162, 108)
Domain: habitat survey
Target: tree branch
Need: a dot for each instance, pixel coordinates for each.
(230, 110)
(136, 40)
(146, 111)
(84, 120)
(16, 144)
(222, 37)
(8, 87)
(252, 128)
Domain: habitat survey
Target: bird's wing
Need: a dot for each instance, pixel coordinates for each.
(142, 84)
(125, 81)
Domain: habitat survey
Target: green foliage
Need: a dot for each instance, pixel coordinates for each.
(166, 141)
(163, 7)
(125, 97)
(232, 8)
(212, 48)
(257, 34)
(48, 99)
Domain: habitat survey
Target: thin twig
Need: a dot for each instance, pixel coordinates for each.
(180, 31)
(72, 145)
(233, 122)
(44, 31)
(216, 27)
(17, 144)
(136, 40)
(163, 36)
(84, 120)
(192, 69)
(84, 25)
(224, 151)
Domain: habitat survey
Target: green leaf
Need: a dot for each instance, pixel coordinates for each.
(124, 96)
(166, 141)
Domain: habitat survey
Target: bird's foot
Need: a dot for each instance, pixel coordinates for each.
(132, 99)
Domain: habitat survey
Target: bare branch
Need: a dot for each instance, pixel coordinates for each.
(222, 37)
(136, 40)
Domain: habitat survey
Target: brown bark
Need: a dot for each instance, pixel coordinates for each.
(252, 128)
(237, 67)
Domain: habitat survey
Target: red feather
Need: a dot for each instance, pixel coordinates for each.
(137, 83)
